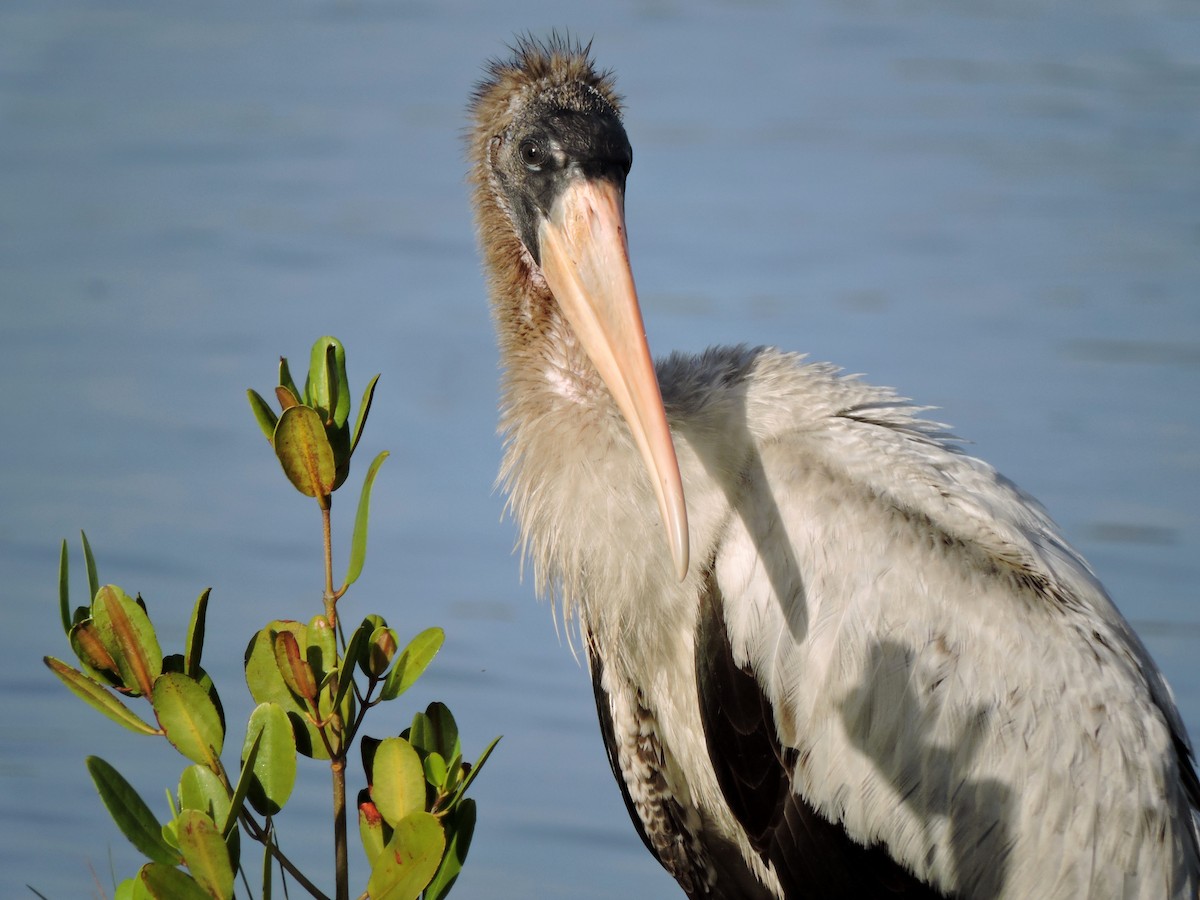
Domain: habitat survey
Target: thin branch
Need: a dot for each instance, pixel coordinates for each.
(256, 832)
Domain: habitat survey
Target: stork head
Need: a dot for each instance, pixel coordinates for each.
(550, 160)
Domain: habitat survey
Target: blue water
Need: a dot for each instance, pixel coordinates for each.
(993, 206)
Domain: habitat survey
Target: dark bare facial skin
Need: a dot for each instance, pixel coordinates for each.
(546, 149)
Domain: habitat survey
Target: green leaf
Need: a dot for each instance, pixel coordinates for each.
(175, 663)
(237, 802)
(358, 543)
(305, 453)
(129, 638)
(460, 827)
(268, 868)
(130, 812)
(369, 625)
(327, 390)
(321, 651)
(267, 685)
(64, 588)
(189, 718)
(476, 769)
(371, 827)
(89, 563)
(263, 414)
(200, 788)
(205, 853)
(455, 770)
(195, 636)
(409, 860)
(158, 882)
(355, 651)
(326, 386)
(435, 769)
(274, 768)
(97, 696)
(435, 731)
(364, 409)
(399, 784)
(412, 662)
(285, 379)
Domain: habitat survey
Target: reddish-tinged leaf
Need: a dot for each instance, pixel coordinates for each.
(98, 696)
(129, 636)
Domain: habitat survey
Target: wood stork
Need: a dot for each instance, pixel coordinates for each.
(862, 663)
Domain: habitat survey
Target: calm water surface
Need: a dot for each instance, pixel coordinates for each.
(993, 206)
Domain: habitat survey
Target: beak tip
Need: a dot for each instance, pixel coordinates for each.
(679, 553)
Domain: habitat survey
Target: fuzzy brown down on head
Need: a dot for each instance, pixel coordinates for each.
(539, 76)
(554, 71)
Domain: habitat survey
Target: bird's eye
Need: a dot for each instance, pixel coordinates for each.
(532, 154)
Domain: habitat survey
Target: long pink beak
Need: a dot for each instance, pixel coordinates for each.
(585, 260)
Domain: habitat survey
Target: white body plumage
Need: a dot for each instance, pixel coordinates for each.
(953, 680)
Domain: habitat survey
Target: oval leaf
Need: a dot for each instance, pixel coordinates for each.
(97, 662)
(436, 770)
(200, 788)
(367, 628)
(399, 785)
(189, 718)
(128, 636)
(436, 731)
(326, 386)
(410, 859)
(176, 663)
(267, 685)
(304, 452)
(205, 853)
(130, 812)
(158, 882)
(381, 650)
(412, 662)
(274, 767)
(98, 696)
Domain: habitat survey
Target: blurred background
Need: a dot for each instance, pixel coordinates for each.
(993, 206)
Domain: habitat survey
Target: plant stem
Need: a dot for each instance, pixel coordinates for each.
(337, 756)
(330, 597)
(338, 767)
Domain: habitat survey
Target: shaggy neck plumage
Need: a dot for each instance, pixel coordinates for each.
(557, 417)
